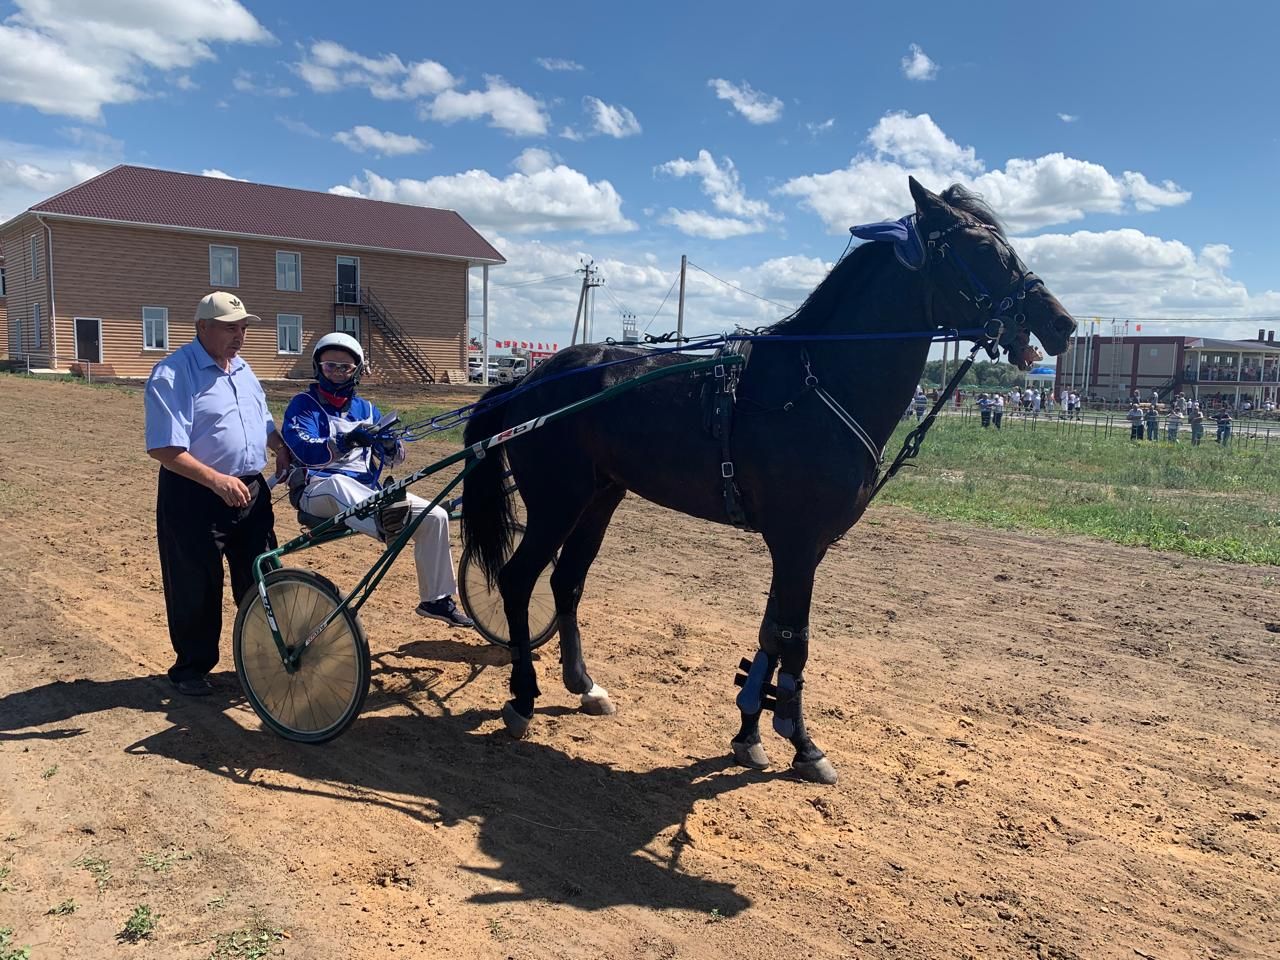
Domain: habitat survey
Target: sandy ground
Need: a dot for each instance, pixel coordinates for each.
(1047, 749)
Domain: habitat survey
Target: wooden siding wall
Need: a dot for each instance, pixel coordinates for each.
(111, 272)
(22, 291)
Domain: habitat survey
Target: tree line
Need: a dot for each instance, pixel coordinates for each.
(984, 373)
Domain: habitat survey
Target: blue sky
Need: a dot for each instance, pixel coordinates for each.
(1130, 146)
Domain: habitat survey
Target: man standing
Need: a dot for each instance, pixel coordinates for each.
(207, 424)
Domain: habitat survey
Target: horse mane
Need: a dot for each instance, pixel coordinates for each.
(858, 268)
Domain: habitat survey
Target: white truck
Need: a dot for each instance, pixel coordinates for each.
(512, 368)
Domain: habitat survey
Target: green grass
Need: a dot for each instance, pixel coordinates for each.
(163, 862)
(140, 925)
(97, 867)
(7, 950)
(1203, 501)
(65, 909)
(251, 942)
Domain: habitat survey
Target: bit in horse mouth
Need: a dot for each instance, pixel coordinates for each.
(1022, 353)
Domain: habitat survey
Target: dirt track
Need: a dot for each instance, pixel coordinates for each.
(1047, 749)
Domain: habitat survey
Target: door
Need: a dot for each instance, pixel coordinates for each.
(348, 280)
(89, 339)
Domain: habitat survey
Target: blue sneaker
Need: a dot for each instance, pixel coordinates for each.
(446, 610)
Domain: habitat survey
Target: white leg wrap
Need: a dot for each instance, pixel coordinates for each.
(595, 694)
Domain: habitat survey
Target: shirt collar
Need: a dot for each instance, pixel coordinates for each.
(204, 360)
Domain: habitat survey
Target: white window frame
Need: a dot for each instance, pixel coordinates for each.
(298, 259)
(37, 338)
(280, 327)
(222, 284)
(152, 320)
(34, 247)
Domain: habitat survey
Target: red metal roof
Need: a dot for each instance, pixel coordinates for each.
(163, 198)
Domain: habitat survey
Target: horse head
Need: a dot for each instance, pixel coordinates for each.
(977, 276)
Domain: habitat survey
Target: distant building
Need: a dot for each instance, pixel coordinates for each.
(111, 270)
(1111, 368)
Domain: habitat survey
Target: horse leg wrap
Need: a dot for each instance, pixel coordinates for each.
(757, 692)
(793, 646)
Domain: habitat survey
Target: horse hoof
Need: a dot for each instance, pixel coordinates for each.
(750, 755)
(815, 771)
(517, 724)
(596, 702)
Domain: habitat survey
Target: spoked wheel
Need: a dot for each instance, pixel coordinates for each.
(325, 691)
(484, 605)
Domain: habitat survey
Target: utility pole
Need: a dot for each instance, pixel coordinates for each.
(484, 338)
(684, 263)
(590, 280)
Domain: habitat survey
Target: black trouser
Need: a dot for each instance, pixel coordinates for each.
(194, 531)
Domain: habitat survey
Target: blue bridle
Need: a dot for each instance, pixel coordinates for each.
(913, 254)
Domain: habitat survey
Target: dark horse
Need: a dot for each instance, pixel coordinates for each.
(804, 478)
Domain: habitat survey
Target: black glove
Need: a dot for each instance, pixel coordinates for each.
(388, 446)
(359, 437)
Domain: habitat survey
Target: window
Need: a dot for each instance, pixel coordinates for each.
(224, 266)
(35, 257)
(288, 271)
(288, 333)
(1, 281)
(155, 328)
(37, 335)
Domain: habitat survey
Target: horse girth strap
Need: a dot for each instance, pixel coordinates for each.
(725, 380)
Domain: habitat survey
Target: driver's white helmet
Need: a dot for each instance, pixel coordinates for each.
(338, 341)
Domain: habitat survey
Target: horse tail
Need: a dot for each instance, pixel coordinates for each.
(488, 515)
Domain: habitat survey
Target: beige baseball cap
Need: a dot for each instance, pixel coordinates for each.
(223, 307)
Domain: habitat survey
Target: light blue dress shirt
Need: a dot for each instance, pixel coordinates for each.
(220, 417)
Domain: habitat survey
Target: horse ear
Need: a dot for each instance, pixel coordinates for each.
(926, 202)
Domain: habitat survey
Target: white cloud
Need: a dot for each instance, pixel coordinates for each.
(755, 106)
(327, 67)
(1129, 273)
(300, 127)
(29, 174)
(73, 57)
(638, 281)
(508, 108)
(556, 64)
(540, 196)
(1028, 194)
(220, 175)
(382, 142)
(184, 82)
(1068, 117)
(817, 129)
(720, 182)
(695, 223)
(916, 65)
(244, 82)
(612, 121)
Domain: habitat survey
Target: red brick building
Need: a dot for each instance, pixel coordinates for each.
(111, 271)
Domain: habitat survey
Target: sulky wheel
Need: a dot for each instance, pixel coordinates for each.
(484, 604)
(324, 693)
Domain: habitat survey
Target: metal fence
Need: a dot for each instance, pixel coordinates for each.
(1245, 431)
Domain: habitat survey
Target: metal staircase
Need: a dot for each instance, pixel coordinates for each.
(369, 305)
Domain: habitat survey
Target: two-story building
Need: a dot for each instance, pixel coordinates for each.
(110, 272)
(1221, 371)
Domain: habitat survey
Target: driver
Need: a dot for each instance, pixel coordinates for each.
(331, 432)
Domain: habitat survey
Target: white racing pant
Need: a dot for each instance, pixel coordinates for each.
(329, 496)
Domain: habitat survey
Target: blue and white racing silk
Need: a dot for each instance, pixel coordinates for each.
(312, 427)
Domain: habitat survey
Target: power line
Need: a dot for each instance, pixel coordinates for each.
(1083, 316)
(663, 303)
(740, 289)
(525, 283)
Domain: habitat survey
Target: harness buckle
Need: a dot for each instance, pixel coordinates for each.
(726, 470)
(718, 371)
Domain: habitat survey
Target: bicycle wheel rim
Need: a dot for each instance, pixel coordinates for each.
(316, 701)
